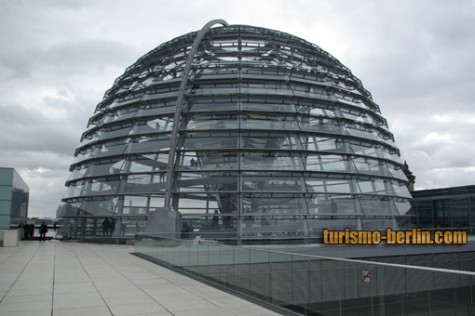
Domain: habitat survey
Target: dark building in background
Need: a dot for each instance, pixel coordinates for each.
(448, 208)
(14, 196)
(261, 129)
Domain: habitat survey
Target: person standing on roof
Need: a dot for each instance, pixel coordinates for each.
(43, 231)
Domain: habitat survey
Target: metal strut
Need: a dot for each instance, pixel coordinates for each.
(179, 101)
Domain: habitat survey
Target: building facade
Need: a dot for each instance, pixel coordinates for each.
(447, 208)
(14, 197)
(242, 130)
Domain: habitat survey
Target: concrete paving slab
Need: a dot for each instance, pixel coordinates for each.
(70, 279)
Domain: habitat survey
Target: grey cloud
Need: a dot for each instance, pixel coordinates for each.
(417, 48)
(64, 59)
(30, 160)
(46, 188)
(87, 53)
(31, 129)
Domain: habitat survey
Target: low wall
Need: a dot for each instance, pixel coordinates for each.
(9, 238)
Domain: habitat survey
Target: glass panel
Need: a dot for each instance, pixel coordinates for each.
(326, 163)
(329, 186)
(459, 212)
(312, 284)
(222, 106)
(5, 207)
(263, 161)
(5, 192)
(18, 182)
(204, 142)
(275, 182)
(6, 176)
(4, 221)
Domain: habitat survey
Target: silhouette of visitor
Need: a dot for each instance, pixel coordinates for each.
(43, 231)
(105, 227)
(215, 220)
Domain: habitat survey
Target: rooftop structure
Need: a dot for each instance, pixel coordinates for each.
(444, 208)
(240, 129)
(14, 197)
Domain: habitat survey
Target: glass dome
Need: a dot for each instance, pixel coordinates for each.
(263, 134)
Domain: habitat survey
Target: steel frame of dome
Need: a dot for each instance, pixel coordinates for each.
(268, 129)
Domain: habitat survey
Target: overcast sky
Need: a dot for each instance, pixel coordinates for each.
(57, 58)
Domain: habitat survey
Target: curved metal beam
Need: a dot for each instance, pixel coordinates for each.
(179, 101)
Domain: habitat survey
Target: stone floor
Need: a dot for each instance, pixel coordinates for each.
(57, 278)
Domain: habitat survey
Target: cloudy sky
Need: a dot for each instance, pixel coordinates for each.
(57, 58)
